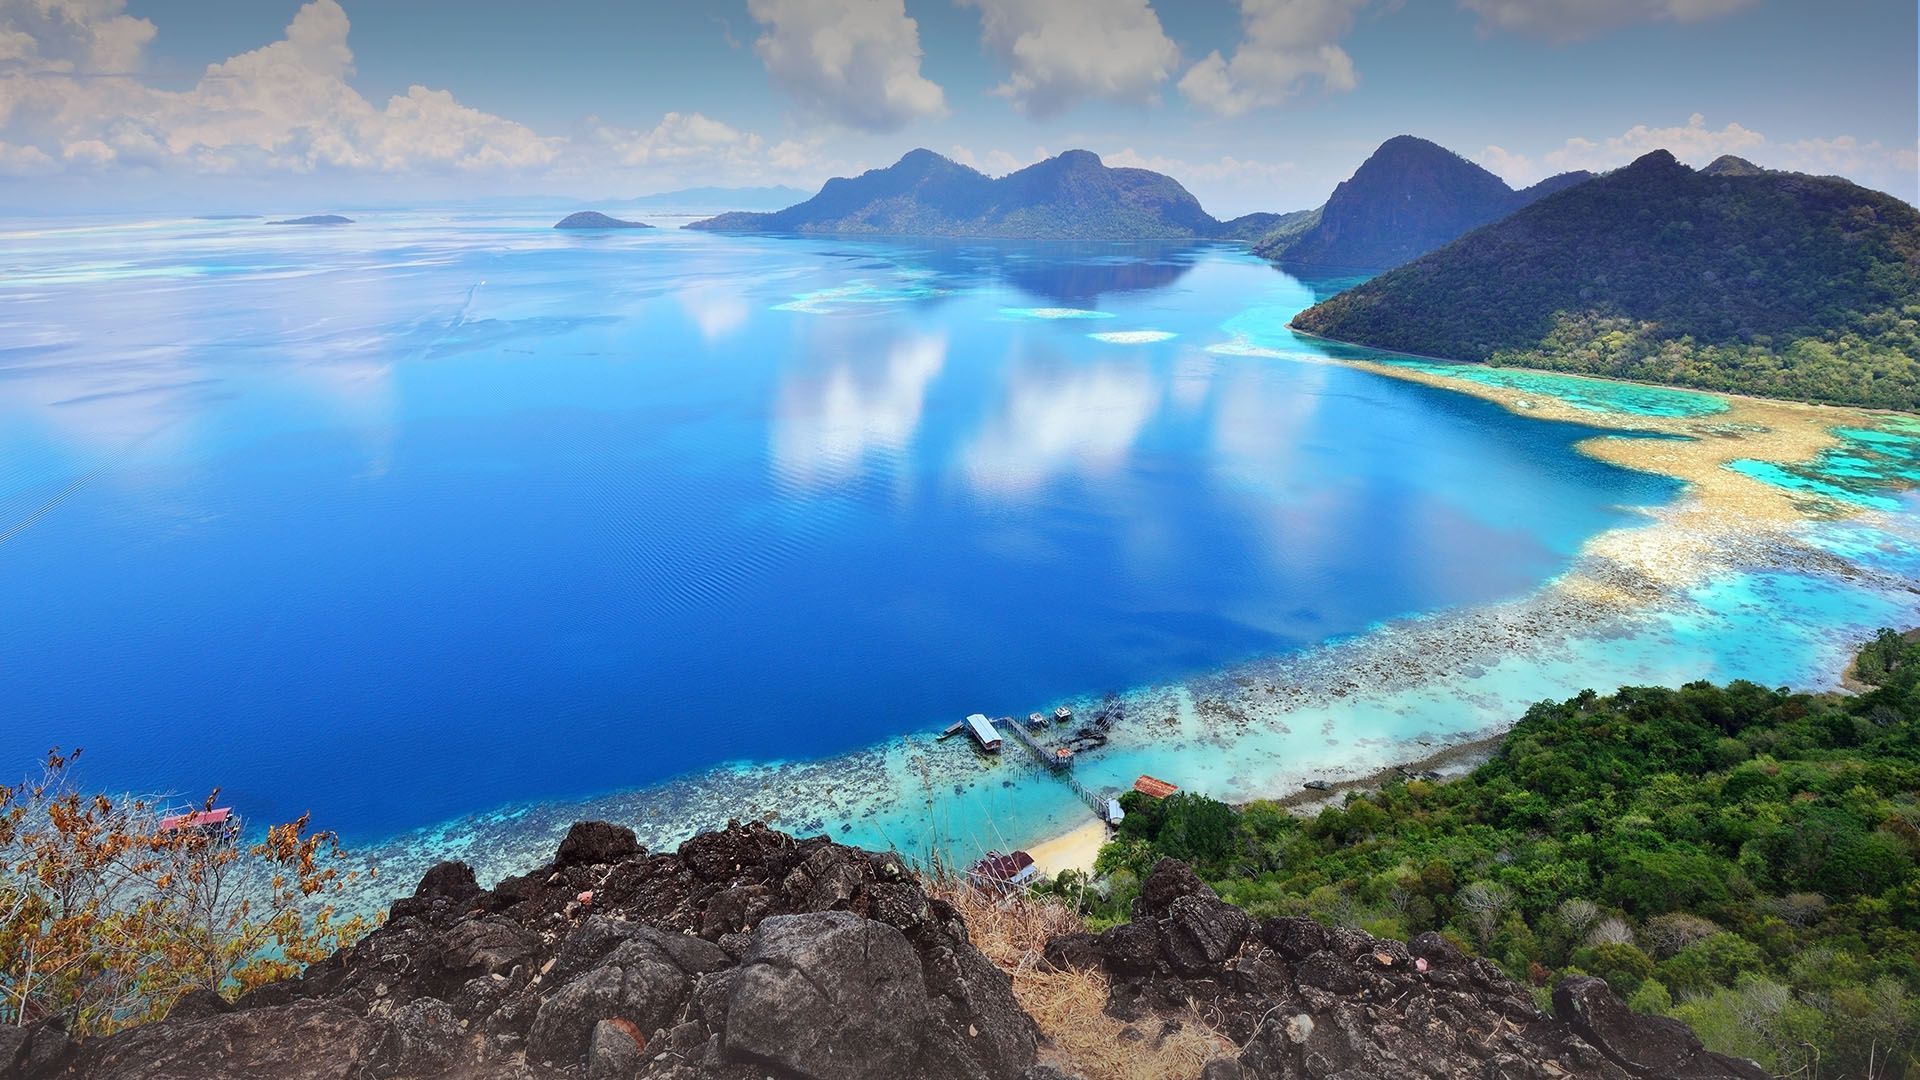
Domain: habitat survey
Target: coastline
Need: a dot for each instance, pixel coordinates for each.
(1736, 578)
(1721, 510)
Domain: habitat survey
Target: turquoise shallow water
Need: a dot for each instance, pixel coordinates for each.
(455, 530)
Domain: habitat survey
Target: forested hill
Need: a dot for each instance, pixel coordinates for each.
(1408, 198)
(1731, 278)
(1070, 197)
(1742, 859)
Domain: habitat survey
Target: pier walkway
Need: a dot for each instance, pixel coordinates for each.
(1096, 802)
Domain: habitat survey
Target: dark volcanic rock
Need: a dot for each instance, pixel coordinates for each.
(828, 995)
(1643, 1045)
(829, 962)
(751, 954)
(1307, 1000)
(591, 843)
(448, 880)
(594, 219)
(307, 1040)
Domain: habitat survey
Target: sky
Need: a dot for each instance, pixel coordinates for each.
(283, 105)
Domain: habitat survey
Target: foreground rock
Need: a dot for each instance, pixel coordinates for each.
(594, 219)
(1306, 1000)
(750, 954)
(747, 953)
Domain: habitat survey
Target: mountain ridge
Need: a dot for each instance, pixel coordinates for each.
(1409, 197)
(1072, 196)
(1729, 278)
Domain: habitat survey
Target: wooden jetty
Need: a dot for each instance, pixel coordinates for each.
(1060, 761)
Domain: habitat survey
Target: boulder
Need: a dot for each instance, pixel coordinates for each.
(1642, 1045)
(487, 946)
(1201, 932)
(638, 984)
(198, 1004)
(616, 1051)
(421, 1038)
(593, 843)
(830, 996)
(448, 880)
(306, 1040)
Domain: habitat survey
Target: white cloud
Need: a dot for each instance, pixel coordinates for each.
(69, 87)
(684, 137)
(25, 160)
(1061, 52)
(1871, 163)
(1571, 20)
(1287, 46)
(855, 62)
(995, 162)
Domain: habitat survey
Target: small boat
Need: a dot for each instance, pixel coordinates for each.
(1318, 785)
(953, 729)
(1035, 721)
(1062, 759)
(1062, 715)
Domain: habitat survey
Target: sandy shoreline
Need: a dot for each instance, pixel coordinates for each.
(1721, 512)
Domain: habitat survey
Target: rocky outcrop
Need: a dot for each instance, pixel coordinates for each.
(1307, 1000)
(750, 954)
(315, 219)
(746, 953)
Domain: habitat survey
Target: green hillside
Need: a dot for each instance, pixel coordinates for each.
(1730, 278)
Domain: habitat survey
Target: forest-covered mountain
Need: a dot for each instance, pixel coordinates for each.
(1070, 197)
(1409, 198)
(1730, 278)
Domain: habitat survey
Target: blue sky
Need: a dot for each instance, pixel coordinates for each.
(1253, 104)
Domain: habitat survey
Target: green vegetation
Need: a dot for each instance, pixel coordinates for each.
(1753, 282)
(1741, 858)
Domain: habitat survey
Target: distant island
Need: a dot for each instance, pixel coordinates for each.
(315, 219)
(1409, 198)
(1070, 197)
(594, 219)
(1732, 278)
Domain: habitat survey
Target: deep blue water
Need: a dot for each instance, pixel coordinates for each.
(412, 518)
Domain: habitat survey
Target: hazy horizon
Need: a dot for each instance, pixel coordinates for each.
(139, 105)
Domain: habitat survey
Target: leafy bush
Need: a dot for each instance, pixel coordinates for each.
(1715, 851)
(106, 918)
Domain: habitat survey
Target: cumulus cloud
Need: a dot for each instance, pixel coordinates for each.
(1571, 20)
(70, 88)
(1287, 46)
(995, 162)
(855, 62)
(1061, 52)
(682, 137)
(1872, 163)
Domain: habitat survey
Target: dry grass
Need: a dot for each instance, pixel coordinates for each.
(1070, 1006)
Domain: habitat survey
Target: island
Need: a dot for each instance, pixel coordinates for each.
(1731, 278)
(1073, 196)
(1410, 197)
(594, 219)
(315, 219)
